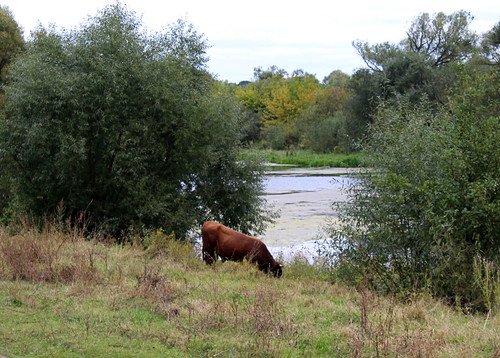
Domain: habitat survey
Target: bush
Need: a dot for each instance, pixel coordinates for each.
(126, 127)
(429, 206)
(159, 244)
(251, 127)
(275, 137)
(281, 137)
(326, 135)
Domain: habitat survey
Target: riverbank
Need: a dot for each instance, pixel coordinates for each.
(81, 297)
(306, 158)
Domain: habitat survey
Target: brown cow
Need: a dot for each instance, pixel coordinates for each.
(235, 246)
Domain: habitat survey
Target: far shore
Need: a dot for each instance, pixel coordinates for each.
(296, 170)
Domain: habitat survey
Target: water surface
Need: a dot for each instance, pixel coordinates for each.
(304, 198)
(283, 184)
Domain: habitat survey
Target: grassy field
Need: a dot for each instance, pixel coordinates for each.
(61, 295)
(306, 158)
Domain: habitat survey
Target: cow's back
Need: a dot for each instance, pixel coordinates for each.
(228, 243)
(235, 245)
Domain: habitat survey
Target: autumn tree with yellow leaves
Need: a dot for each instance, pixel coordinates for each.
(284, 104)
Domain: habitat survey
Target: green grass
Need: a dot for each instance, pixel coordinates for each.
(306, 158)
(166, 302)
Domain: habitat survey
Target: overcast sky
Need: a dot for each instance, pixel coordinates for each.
(313, 35)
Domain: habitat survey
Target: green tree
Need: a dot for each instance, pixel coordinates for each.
(491, 44)
(288, 98)
(337, 79)
(360, 106)
(443, 38)
(11, 38)
(322, 123)
(439, 39)
(278, 100)
(127, 128)
(11, 44)
(431, 206)
(422, 65)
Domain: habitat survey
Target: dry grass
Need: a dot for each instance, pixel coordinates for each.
(386, 329)
(62, 295)
(47, 256)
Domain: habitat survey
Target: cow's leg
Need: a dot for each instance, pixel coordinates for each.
(208, 254)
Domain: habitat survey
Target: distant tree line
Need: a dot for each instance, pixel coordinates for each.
(284, 111)
(297, 110)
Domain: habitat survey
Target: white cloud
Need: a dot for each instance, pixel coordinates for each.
(314, 35)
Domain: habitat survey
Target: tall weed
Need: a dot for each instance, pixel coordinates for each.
(487, 279)
(46, 256)
(384, 331)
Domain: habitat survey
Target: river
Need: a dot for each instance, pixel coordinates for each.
(304, 200)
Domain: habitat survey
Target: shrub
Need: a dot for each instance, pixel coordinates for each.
(429, 206)
(275, 137)
(281, 136)
(327, 135)
(158, 243)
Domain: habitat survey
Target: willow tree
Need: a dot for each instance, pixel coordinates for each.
(422, 65)
(126, 128)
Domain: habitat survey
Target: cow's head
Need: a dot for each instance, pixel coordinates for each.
(277, 269)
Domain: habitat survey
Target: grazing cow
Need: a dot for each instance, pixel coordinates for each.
(235, 246)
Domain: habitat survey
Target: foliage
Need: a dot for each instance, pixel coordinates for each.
(11, 40)
(487, 280)
(440, 39)
(127, 127)
(322, 125)
(250, 126)
(443, 38)
(422, 65)
(278, 100)
(491, 44)
(288, 98)
(431, 203)
(276, 137)
(292, 108)
(11, 44)
(337, 78)
(326, 135)
(331, 99)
